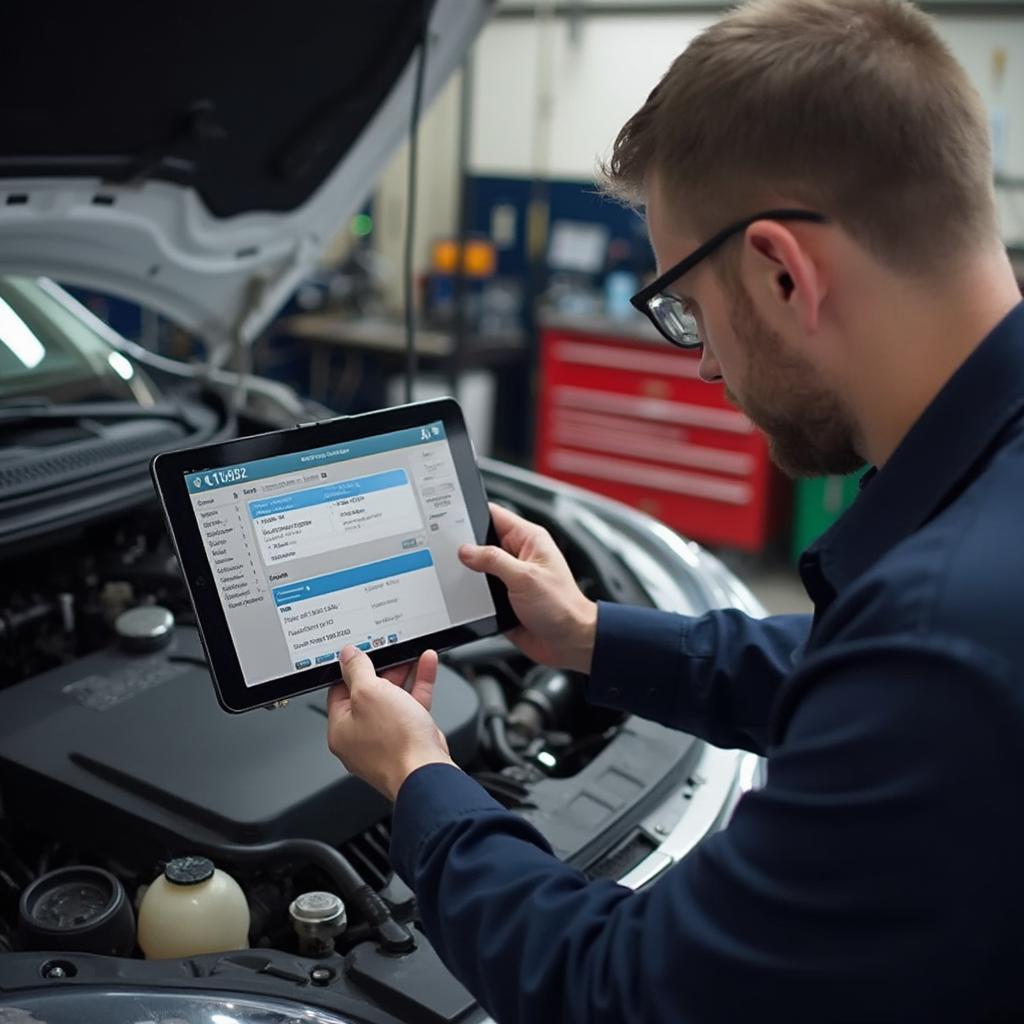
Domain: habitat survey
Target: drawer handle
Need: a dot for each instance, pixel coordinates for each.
(575, 419)
(652, 387)
(653, 409)
(724, 491)
(632, 359)
(700, 456)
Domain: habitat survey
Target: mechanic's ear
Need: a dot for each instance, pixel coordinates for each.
(784, 275)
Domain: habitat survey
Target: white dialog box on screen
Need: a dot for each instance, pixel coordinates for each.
(327, 518)
(370, 605)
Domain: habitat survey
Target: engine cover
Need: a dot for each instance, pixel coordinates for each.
(123, 751)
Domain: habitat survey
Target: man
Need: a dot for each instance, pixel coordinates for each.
(861, 309)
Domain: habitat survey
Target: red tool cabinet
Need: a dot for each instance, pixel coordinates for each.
(629, 417)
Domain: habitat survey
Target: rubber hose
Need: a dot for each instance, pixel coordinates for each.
(499, 741)
(392, 935)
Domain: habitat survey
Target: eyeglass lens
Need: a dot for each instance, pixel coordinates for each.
(678, 326)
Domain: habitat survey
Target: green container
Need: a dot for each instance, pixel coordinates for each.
(819, 503)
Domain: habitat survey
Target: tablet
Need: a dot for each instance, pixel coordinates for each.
(297, 542)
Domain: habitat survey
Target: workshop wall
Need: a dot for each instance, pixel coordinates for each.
(575, 85)
(437, 193)
(551, 93)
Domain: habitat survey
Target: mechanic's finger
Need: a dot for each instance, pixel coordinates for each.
(422, 688)
(357, 669)
(487, 558)
(401, 675)
(338, 696)
(519, 635)
(505, 519)
(513, 531)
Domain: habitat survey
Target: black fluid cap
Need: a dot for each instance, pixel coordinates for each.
(78, 909)
(188, 870)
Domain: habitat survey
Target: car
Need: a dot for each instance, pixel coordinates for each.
(115, 760)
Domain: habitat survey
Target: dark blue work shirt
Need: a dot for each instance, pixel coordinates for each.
(879, 874)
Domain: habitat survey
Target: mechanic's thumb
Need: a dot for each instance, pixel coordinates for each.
(493, 560)
(356, 669)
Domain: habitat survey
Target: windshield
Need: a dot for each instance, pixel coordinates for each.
(48, 352)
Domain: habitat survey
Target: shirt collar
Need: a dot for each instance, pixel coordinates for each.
(950, 437)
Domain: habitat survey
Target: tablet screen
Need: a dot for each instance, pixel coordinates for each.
(351, 543)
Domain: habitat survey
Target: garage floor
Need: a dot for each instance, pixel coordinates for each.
(773, 579)
(779, 589)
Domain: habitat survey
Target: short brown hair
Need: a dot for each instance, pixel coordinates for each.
(854, 107)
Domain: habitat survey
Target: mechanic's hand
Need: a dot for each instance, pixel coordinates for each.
(379, 731)
(558, 621)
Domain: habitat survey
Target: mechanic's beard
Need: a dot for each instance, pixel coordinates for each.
(809, 431)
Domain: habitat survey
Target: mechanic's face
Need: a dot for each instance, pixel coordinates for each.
(809, 431)
(768, 377)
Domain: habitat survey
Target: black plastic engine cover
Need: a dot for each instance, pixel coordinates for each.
(122, 751)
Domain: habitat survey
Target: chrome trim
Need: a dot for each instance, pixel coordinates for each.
(662, 585)
(710, 803)
(683, 576)
(647, 870)
(723, 776)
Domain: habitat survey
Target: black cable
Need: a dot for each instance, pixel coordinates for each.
(498, 733)
(392, 935)
(13, 866)
(493, 708)
(459, 324)
(410, 224)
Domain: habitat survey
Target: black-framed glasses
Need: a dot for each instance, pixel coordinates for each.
(668, 312)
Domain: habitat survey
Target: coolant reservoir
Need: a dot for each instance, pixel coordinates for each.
(192, 908)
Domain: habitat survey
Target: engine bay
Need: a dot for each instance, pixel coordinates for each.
(116, 761)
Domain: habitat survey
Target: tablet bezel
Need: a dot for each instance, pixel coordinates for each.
(169, 470)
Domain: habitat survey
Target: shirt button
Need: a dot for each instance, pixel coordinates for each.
(613, 691)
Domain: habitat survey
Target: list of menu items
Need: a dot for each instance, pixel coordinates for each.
(231, 549)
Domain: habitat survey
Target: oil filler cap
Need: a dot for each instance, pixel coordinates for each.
(188, 870)
(317, 907)
(147, 628)
(317, 918)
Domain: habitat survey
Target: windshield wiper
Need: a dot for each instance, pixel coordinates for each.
(40, 410)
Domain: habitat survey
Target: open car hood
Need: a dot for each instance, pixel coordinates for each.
(197, 158)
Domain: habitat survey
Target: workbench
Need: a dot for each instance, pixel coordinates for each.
(326, 333)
